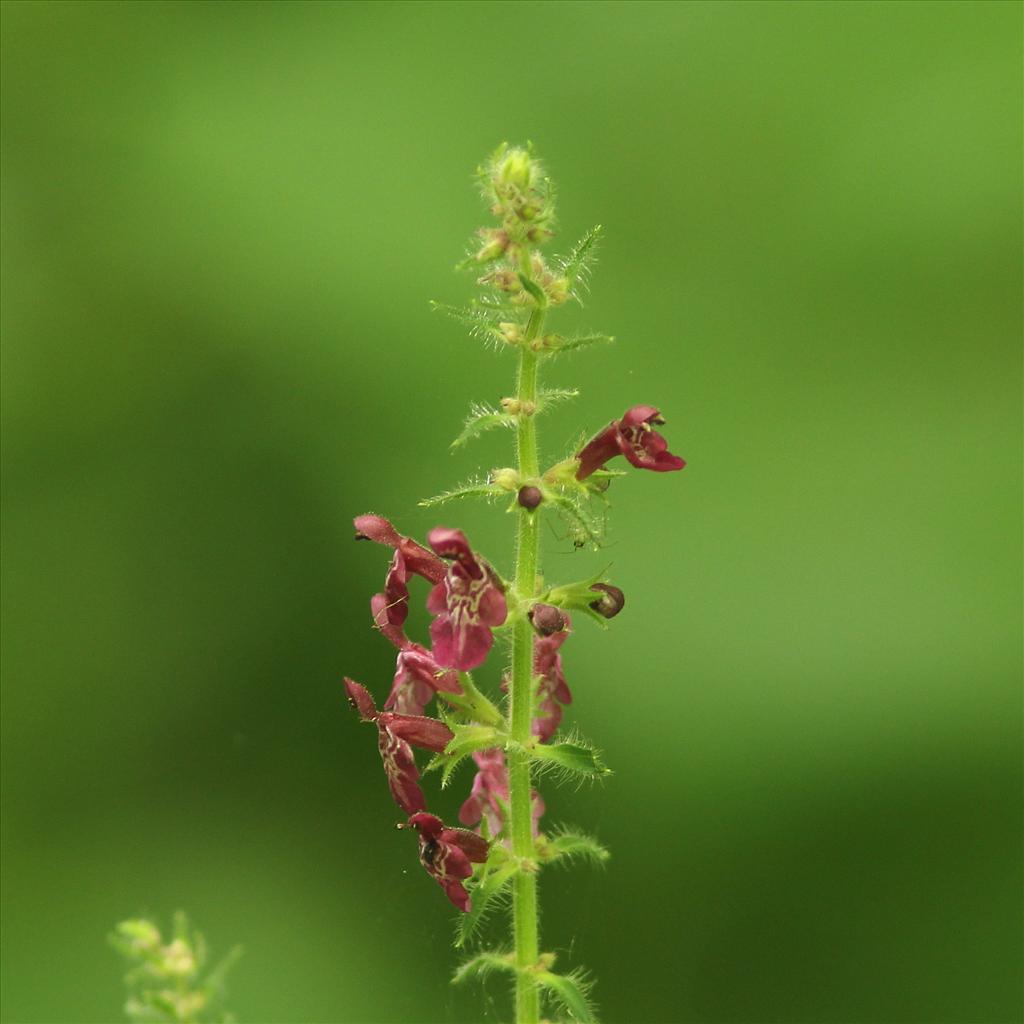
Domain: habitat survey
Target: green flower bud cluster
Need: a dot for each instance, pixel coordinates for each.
(519, 193)
(166, 981)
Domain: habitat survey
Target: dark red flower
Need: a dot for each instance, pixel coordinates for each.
(552, 689)
(632, 436)
(448, 854)
(489, 796)
(391, 608)
(467, 603)
(395, 734)
(417, 559)
(418, 676)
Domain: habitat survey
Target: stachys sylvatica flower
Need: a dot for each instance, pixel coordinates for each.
(449, 854)
(552, 689)
(502, 848)
(395, 734)
(468, 603)
(418, 559)
(488, 799)
(633, 436)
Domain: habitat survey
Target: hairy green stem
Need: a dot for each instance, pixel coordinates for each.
(524, 897)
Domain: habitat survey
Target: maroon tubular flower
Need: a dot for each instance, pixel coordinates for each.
(418, 560)
(395, 734)
(448, 854)
(418, 676)
(467, 603)
(633, 436)
(489, 795)
(391, 609)
(552, 690)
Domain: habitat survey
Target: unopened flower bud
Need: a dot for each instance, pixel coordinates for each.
(558, 290)
(610, 603)
(495, 243)
(506, 478)
(505, 280)
(530, 497)
(516, 168)
(512, 333)
(546, 619)
(517, 407)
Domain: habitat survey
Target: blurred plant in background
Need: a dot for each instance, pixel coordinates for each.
(168, 982)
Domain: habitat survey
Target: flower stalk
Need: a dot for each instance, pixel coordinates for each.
(524, 889)
(504, 847)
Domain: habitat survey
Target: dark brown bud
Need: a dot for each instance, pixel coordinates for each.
(547, 619)
(610, 603)
(530, 497)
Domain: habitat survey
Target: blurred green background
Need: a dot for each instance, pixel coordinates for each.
(222, 226)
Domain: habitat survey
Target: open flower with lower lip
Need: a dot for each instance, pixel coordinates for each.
(448, 855)
(634, 437)
(467, 603)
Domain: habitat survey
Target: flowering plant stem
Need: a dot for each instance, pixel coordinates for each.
(503, 846)
(524, 893)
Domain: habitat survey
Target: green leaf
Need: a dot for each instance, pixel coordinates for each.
(474, 489)
(550, 396)
(466, 740)
(534, 289)
(491, 886)
(569, 991)
(475, 704)
(574, 846)
(574, 758)
(583, 525)
(482, 320)
(578, 265)
(482, 418)
(577, 342)
(484, 964)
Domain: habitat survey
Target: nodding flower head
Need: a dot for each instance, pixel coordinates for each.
(448, 855)
(467, 604)
(634, 437)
